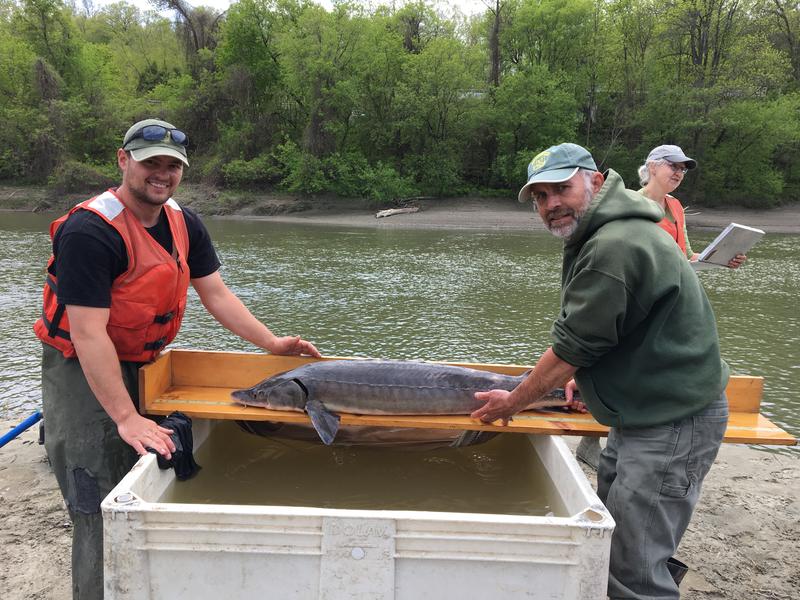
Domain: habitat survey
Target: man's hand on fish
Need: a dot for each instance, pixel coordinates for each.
(294, 345)
(540, 384)
(575, 403)
(503, 405)
(499, 405)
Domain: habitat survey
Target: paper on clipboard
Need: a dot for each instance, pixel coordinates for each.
(734, 239)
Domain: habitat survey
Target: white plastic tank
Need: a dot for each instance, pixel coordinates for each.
(156, 550)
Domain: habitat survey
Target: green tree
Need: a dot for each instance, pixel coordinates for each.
(319, 56)
(554, 33)
(440, 85)
(48, 26)
(386, 102)
(198, 29)
(533, 110)
(25, 126)
(378, 74)
(143, 45)
(740, 165)
(781, 23)
(251, 77)
(418, 24)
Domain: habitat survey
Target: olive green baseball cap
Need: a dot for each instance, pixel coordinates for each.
(142, 148)
(556, 164)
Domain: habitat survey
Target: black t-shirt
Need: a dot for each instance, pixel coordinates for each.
(90, 255)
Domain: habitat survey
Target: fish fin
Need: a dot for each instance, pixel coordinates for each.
(470, 438)
(325, 422)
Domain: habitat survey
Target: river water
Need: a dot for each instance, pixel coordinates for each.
(413, 294)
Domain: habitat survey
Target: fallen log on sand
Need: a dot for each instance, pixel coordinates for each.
(395, 211)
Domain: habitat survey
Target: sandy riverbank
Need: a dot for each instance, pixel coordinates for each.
(503, 214)
(742, 543)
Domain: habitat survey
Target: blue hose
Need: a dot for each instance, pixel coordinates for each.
(32, 420)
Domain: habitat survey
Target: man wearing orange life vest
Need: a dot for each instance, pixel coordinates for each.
(115, 295)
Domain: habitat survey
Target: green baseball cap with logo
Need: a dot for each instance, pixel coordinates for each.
(153, 137)
(556, 164)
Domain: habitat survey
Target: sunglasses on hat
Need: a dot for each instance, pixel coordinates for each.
(157, 133)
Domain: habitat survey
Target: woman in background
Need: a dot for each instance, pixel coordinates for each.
(660, 175)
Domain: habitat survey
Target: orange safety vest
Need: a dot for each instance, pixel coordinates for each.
(677, 229)
(147, 300)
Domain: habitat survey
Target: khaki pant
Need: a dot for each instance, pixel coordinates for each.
(88, 459)
(650, 478)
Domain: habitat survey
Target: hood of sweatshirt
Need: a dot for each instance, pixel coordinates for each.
(611, 203)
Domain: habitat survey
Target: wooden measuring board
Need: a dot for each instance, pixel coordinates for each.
(199, 384)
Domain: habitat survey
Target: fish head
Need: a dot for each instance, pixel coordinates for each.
(276, 393)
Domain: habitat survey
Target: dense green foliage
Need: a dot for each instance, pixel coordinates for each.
(398, 102)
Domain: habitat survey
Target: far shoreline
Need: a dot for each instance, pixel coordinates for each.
(499, 215)
(459, 213)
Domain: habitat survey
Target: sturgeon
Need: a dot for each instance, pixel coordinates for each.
(379, 387)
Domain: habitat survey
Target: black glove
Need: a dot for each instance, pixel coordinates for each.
(182, 459)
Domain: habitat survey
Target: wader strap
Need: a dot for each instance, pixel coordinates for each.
(155, 345)
(165, 318)
(52, 326)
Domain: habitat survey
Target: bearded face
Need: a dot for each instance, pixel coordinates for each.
(562, 205)
(563, 222)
